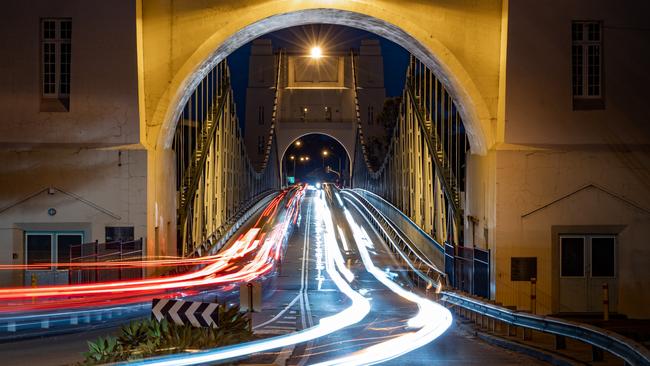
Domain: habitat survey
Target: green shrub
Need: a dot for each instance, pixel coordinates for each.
(147, 338)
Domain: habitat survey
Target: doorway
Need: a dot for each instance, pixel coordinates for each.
(586, 263)
(44, 247)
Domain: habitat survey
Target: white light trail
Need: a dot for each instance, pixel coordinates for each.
(351, 315)
(432, 318)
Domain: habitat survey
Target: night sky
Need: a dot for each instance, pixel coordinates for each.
(331, 37)
(328, 37)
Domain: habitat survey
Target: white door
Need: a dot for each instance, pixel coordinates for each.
(586, 263)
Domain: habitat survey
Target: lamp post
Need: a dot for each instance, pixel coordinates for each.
(325, 153)
(293, 159)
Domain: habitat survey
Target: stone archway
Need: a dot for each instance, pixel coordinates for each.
(341, 136)
(476, 114)
(179, 42)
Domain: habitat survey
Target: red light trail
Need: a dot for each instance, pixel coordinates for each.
(253, 254)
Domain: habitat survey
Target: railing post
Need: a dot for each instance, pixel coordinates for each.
(512, 330)
(597, 354)
(96, 259)
(533, 295)
(605, 301)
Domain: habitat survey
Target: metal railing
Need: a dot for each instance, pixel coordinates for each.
(218, 239)
(422, 272)
(105, 252)
(624, 348)
(482, 310)
(215, 177)
(423, 172)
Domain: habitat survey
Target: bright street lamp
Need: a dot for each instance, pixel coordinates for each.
(298, 143)
(316, 52)
(293, 158)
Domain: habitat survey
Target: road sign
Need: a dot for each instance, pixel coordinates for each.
(291, 180)
(198, 314)
(250, 297)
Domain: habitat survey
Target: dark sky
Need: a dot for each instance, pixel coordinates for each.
(330, 37)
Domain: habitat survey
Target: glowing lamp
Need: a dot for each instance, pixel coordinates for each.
(316, 52)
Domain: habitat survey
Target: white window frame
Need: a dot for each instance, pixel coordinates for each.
(585, 43)
(57, 42)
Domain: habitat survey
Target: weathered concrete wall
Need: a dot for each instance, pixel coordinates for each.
(551, 151)
(104, 76)
(113, 185)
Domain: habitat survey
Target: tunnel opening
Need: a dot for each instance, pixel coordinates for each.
(316, 158)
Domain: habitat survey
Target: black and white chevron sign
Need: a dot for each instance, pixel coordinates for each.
(198, 314)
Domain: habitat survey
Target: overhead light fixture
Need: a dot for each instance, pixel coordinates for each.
(316, 52)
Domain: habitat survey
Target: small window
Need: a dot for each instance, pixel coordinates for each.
(56, 58)
(118, 233)
(572, 256)
(303, 113)
(39, 248)
(371, 114)
(260, 115)
(587, 64)
(328, 114)
(260, 144)
(603, 256)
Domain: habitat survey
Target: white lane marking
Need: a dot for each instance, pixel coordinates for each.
(280, 327)
(305, 318)
(278, 315)
(286, 322)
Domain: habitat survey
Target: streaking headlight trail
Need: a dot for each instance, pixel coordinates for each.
(432, 319)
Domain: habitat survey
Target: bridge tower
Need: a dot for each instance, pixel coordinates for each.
(316, 96)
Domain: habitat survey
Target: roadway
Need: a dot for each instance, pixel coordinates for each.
(389, 313)
(336, 297)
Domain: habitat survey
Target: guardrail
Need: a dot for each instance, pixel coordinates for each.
(423, 274)
(626, 349)
(482, 311)
(218, 239)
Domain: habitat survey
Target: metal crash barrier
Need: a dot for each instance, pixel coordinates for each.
(491, 315)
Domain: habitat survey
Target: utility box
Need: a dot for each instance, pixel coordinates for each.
(250, 297)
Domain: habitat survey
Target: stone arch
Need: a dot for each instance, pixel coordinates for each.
(286, 140)
(424, 46)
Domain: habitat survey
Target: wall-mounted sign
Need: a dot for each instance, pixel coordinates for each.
(523, 268)
(51, 211)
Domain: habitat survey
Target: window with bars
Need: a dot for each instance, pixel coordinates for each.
(587, 63)
(260, 144)
(371, 114)
(260, 115)
(56, 53)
